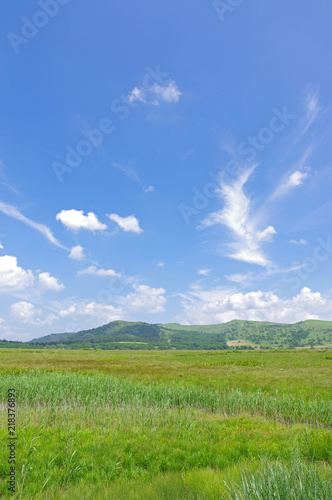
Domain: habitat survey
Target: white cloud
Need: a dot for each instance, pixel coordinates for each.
(298, 242)
(27, 313)
(311, 112)
(41, 228)
(48, 282)
(128, 224)
(77, 253)
(13, 277)
(291, 181)
(104, 313)
(236, 215)
(297, 178)
(137, 95)
(220, 305)
(242, 279)
(204, 272)
(76, 220)
(168, 93)
(312, 107)
(1, 245)
(144, 299)
(161, 264)
(148, 189)
(99, 272)
(129, 170)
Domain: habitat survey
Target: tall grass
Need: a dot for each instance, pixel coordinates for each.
(96, 436)
(265, 481)
(278, 481)
(52, 389)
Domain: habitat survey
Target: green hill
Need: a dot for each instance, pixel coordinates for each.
(234, 334)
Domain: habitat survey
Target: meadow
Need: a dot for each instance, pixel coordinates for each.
(95, 424)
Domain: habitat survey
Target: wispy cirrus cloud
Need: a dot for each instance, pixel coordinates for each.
(204, 272)
(290, 182)
(298, 242)
(237, 217)
(12, 211)
(296, 175)
(311, 112)
(312, 107)
(128, 170)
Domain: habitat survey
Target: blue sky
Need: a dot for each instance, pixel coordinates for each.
(164, 161)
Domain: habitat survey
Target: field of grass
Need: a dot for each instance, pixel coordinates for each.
(164, 425)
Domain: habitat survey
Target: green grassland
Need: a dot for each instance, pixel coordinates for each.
(96, 424)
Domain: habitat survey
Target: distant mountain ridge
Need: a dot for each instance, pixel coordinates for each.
(236, 334)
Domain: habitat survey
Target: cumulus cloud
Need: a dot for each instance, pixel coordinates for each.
(128, 224)
(77, 253)
(28, 313)
(76, 220)
(25, 311)
(236, 216)
(93, 270)
(105, 313)
(156, 94)
(221, 305)
(1, 246)
(161, 264)
(41, 228)
(144, 299)
(167, 93)
(13, 277)
(48, 282)
(137, 94)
